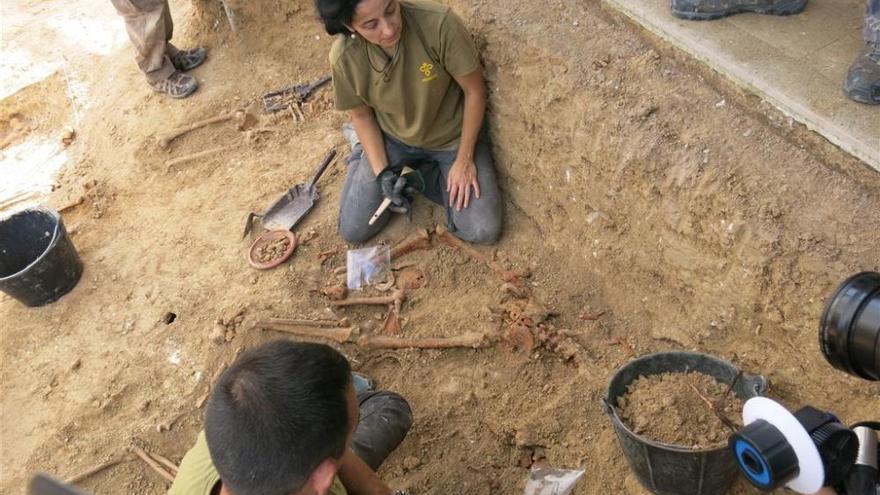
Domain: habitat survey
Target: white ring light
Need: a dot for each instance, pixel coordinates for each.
(811, 472)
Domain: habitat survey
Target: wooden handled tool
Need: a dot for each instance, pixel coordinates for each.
(386, 202)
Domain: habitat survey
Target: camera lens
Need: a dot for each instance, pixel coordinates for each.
(849, 333)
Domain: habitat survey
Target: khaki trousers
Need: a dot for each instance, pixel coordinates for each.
(149, 27)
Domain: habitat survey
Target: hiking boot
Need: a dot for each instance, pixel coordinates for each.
(862, 82)
(705, 10)
(178, 85)
(184, 60)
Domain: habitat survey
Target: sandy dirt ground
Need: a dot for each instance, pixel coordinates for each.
(637, 184)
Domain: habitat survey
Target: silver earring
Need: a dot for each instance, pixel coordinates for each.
(353, 35)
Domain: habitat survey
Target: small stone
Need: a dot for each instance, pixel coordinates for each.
(129, 326)
(76, 365)
(218, 332)
(68, 136)
(410, 463)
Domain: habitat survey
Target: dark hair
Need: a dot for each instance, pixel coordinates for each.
(276, 414)
(335, 14)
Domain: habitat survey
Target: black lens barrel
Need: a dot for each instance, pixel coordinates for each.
(849, 332)
(837, 444)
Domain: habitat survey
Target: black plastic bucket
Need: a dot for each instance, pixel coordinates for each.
(38, 263)
(669, 469)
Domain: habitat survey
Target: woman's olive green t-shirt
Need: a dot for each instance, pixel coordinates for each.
(414, 96)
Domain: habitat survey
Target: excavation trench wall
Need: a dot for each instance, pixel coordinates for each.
(698, 209)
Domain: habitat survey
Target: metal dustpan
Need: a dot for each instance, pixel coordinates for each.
(291, 207)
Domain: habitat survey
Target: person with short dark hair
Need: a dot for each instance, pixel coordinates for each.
(409, 75)
(285, 419)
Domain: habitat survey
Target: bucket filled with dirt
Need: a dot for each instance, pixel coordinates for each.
(38, 262)
(673, 413)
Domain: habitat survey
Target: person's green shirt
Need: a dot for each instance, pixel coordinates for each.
(197, 475)
(414, 95)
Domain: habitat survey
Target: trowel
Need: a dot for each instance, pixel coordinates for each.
(293, 205)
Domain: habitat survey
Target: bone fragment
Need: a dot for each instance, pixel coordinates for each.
(165, 138)
(513, 276)
(473, 340)
(152, 463)
(397, 295)
(304, 322)
(420, 239)
(195, 156)
(335, 293)
(392, 325)
(91, 472)
(165, 462)
(341, 335)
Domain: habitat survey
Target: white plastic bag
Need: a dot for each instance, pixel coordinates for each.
(368, 266)
(549, 481)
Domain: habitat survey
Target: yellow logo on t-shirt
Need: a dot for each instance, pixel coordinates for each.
(428, 70)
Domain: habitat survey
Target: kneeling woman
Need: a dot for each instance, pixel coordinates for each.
(410, 76)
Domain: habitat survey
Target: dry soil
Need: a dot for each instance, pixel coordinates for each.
(635, 181)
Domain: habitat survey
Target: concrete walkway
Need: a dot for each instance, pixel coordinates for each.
(797, 63)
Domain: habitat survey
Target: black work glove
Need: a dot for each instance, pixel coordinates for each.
(400, 188)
